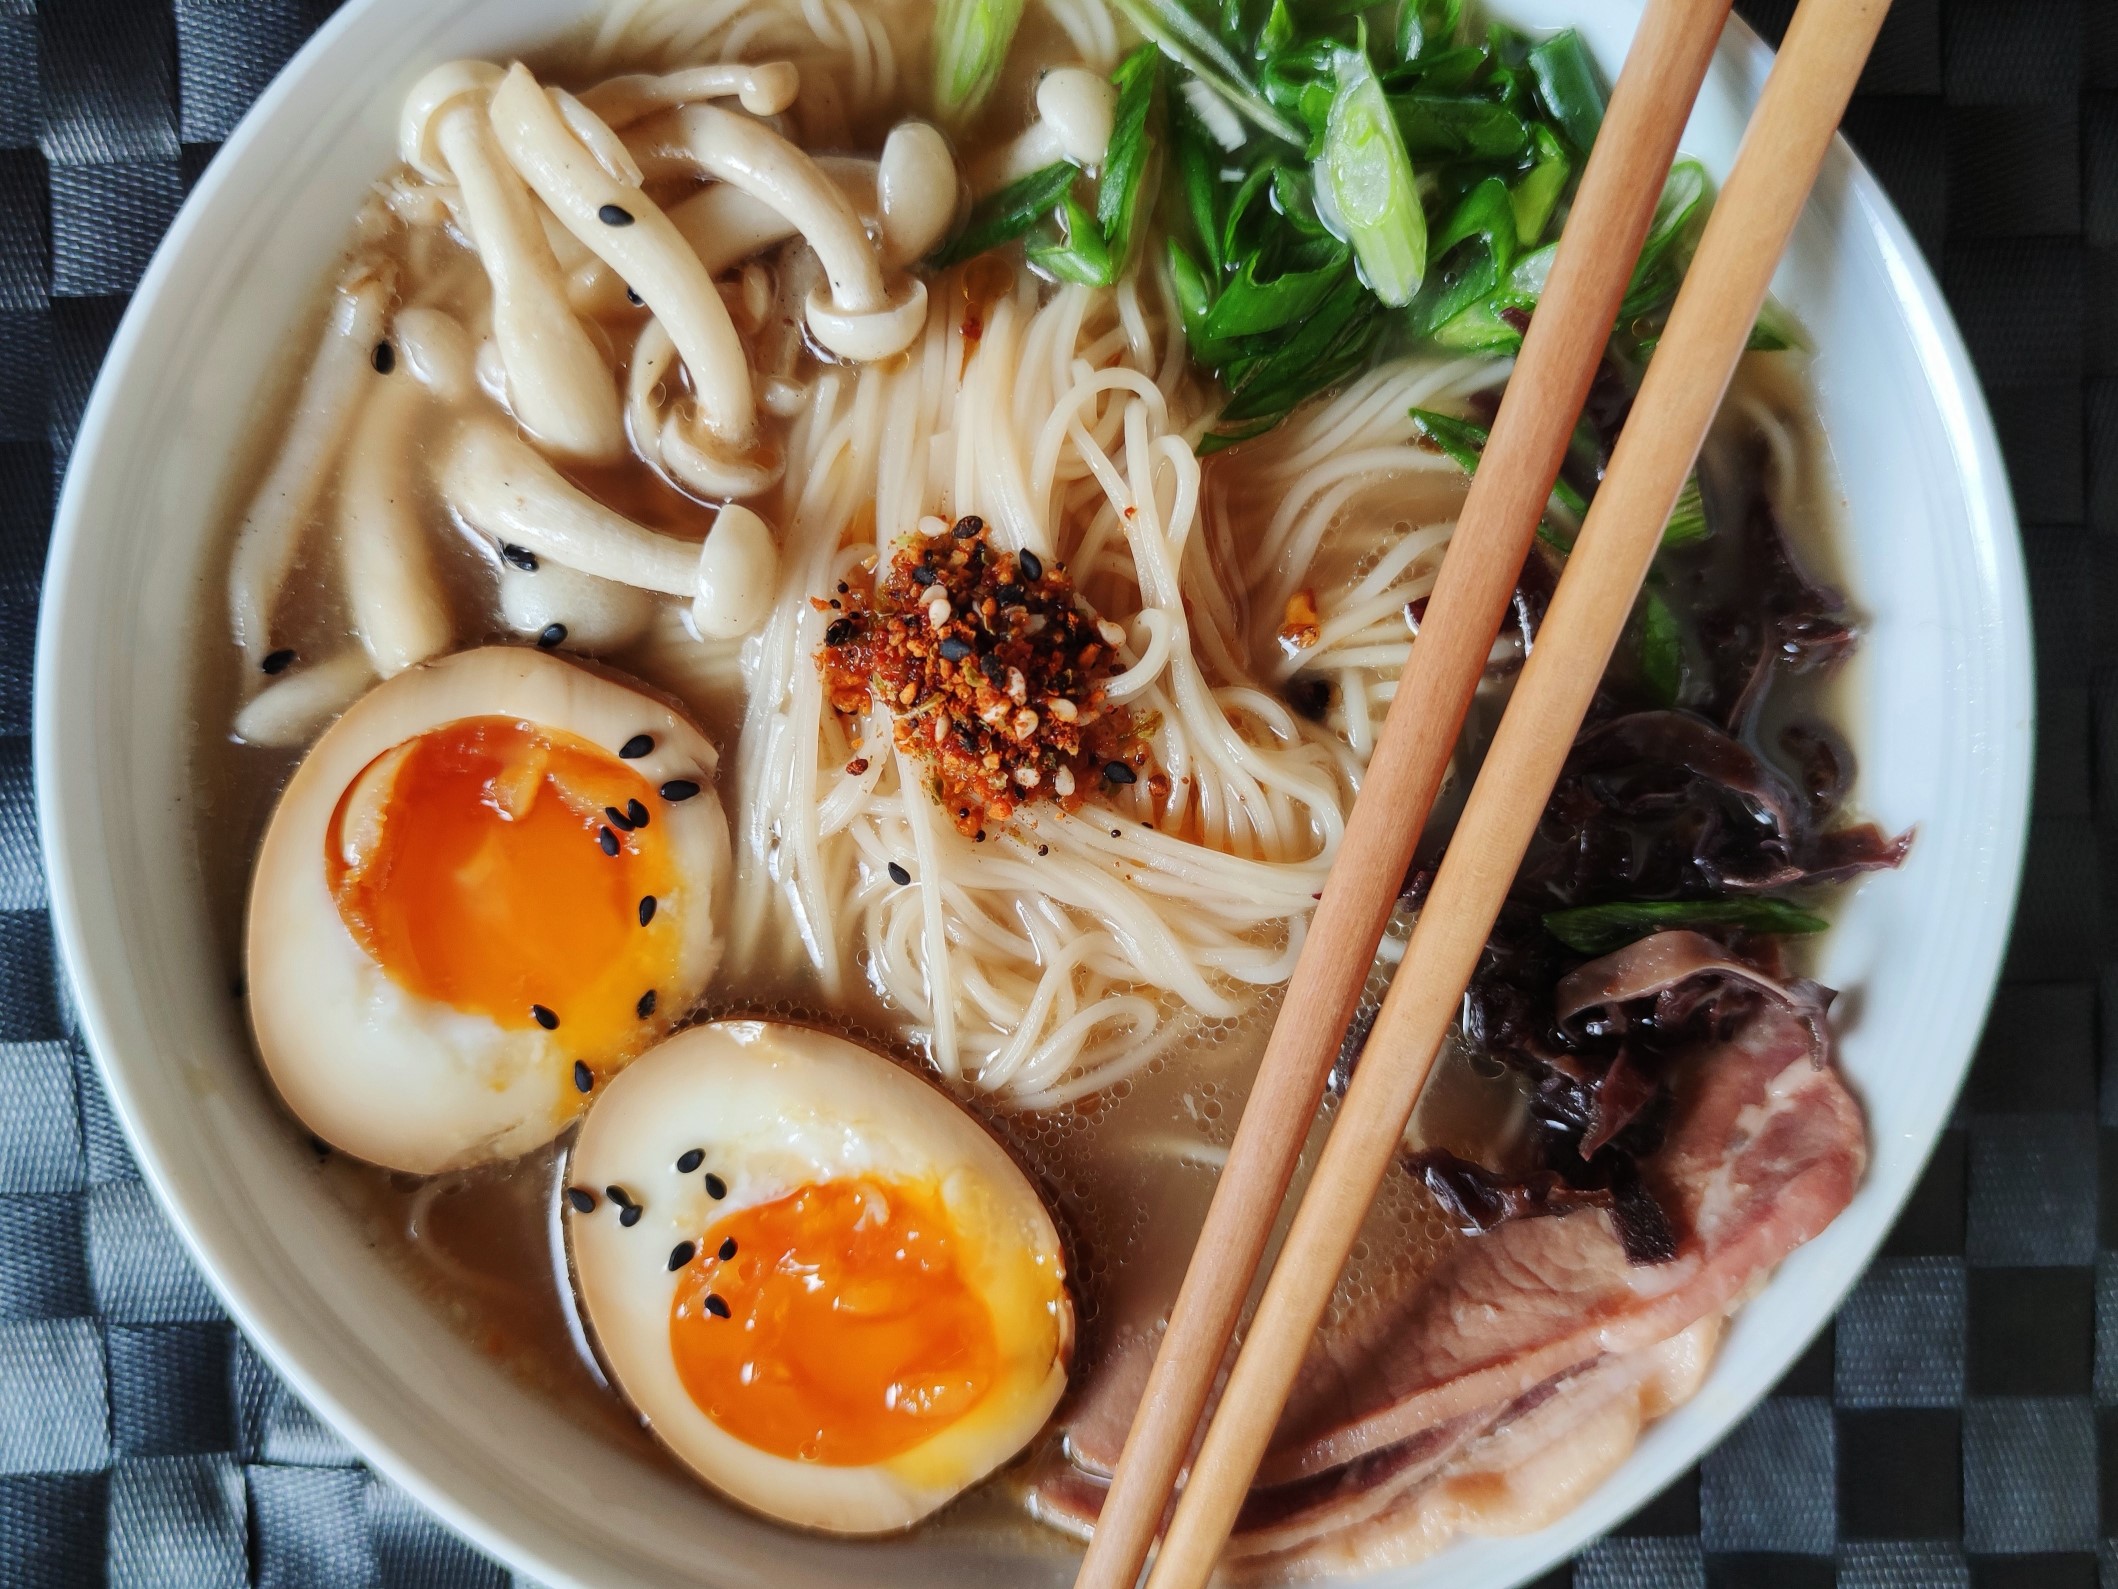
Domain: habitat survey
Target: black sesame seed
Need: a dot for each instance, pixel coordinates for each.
(967, 526)
(633, 297)
(899, 875)
(925, 575)
(955, 648)
(636, 747)
(635, 813)
(692, 1159)
(617, 819)
(630, 1217)
(544, 1017)
(716, 1188)
(680, 1255)
(1030, 563)
(647, 909)
(553, 634)
(727, 1249)
(1118, 772)
(519, 556)
(646, 1006)
(716, 1306)
(319, 1147)
(581, 1199)
(608, 840)
(995, 670)
(1044, 849)
(618, 1195)
(614, 215)
(277, 661)
(1008, 595)
(838, 631)
(384, 358)
(679, 789)
(584, 1078)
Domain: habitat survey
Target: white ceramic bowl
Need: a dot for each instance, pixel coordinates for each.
(1945, 741)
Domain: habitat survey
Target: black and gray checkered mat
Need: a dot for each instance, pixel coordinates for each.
(1958, 1428)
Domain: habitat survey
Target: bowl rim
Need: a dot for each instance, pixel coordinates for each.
(66, 836)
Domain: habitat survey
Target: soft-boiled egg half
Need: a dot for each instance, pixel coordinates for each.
(488, 886)
(821, 1283)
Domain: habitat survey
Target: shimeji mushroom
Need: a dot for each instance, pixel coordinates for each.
(558, 383)
(915, 192)
(290, 709)
(505, 489)
(590, 614)
(765, 89)
(435, 348)
(592, 186)
(340, 374)
(738, 566)
(392, 587)
(858, 317)
(1075, 109)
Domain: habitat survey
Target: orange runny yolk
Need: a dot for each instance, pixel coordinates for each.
(469, 863)
(852, 1332)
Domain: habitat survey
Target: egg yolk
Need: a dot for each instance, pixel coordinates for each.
(850, 1333)
(479, 866)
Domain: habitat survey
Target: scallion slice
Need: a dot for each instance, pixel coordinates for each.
(1367, 178)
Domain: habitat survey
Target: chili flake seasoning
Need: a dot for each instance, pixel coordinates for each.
(993, 671)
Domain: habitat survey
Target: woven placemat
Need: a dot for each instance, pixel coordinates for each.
(1958, 1426)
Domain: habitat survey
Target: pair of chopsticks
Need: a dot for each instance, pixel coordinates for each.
(1826, 45)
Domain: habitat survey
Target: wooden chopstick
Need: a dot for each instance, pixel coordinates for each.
(1612, 211)
(1805, 96)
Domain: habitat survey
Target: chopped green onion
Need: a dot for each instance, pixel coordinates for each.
(1438, 128)
(1775, 331)
(1687, 520)
(1125, 162)
(1426, 27)
(1463, 442)
(1661, 649)
(1193, 45)
(1079, 254)
(1474, 250)
(1007, 214)
(1598, 929)
(1368, 178)
(1569, 86)
(971, 39)
(1667, 250)
(1536, 192)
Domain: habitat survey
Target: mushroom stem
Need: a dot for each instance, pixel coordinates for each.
(557, 382)
(391, 583)
(436, 349)
(339, 374)
(292, 707)
(722, 225)
(631, 234)
(597, 615)
(505, 489)
(862, 319)
(763, 90)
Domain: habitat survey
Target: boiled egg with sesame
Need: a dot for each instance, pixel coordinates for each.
(487, 887)
(818, 1280)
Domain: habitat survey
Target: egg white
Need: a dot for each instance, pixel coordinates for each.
(403, 1080)
(774, 1107)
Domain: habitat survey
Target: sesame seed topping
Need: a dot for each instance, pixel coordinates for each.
(692, 1159)
(614, 215)
(716, 1306)
(633, 297)
(1118, 772)
(544, 1017)
(1030, 563)
(584, 1078)
(636, 747)
(635, 813)
(955, 649)
(519, 556)
(898, 874)
(647, 909)
(608, 840)
(646, 1006)
(630, 1217)
(968, 526)
(617, 819)
(581, 1199)
(618, 1195)
(384, 358)
(551, 635)
(680, 1255)
(716, 1188)
(679, 789)
(727, 1249)
(277, 661)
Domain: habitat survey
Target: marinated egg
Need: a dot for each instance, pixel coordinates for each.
(488, 886)
(818, 1280)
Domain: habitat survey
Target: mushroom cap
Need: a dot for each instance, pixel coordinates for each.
(1079, 106)
(738, 567)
